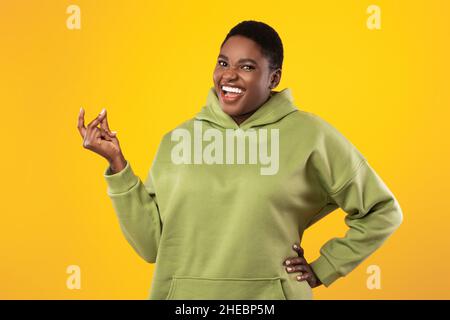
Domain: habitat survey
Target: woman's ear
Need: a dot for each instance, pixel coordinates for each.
(275, 78)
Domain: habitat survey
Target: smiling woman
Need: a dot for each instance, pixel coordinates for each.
(221, 231)
(248, 67)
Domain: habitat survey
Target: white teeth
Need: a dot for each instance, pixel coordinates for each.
(231, 89)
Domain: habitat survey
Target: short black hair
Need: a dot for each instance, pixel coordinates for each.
(264, 35)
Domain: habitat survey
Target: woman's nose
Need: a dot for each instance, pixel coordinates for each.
(229, 74)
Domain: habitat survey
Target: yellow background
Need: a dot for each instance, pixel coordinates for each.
(150, 64)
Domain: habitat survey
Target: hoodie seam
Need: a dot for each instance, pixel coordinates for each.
(354, 174)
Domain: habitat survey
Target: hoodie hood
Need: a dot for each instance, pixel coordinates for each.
(279, 105)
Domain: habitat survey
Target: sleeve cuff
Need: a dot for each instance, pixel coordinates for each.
(121, 181)
(324, 271)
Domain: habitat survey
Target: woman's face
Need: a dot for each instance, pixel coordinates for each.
(242, 69)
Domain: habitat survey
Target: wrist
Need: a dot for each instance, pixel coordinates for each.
(118, 163)
(317, 281)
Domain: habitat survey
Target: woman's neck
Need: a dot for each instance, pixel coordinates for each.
(242, 117)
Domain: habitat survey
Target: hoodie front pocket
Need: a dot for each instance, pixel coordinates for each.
(201, 288)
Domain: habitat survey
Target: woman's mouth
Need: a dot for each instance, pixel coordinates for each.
(231, 94)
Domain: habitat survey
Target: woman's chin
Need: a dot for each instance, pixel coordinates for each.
(232, 111)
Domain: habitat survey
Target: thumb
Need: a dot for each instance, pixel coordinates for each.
(104, 124)
(297, 248)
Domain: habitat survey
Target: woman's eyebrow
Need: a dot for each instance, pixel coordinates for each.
(240, 60)
(248, 60)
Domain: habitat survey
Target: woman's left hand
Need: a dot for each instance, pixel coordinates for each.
(299, 264)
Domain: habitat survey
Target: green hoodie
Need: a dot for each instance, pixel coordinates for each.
(219, 225)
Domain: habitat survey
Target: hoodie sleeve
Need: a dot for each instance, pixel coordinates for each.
(136, 207)
(372, 211)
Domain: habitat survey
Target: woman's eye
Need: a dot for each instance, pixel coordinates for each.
(222, 63)
(248, 67)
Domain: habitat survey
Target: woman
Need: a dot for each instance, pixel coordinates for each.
(231, 188)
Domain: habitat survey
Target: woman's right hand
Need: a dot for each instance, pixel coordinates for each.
(101, 140)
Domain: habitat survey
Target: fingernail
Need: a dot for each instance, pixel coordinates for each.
(299, 277)
(288, 262)
(295, 246)
(103, 111)
(289, 269)
(114, 132)
(81, 109)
